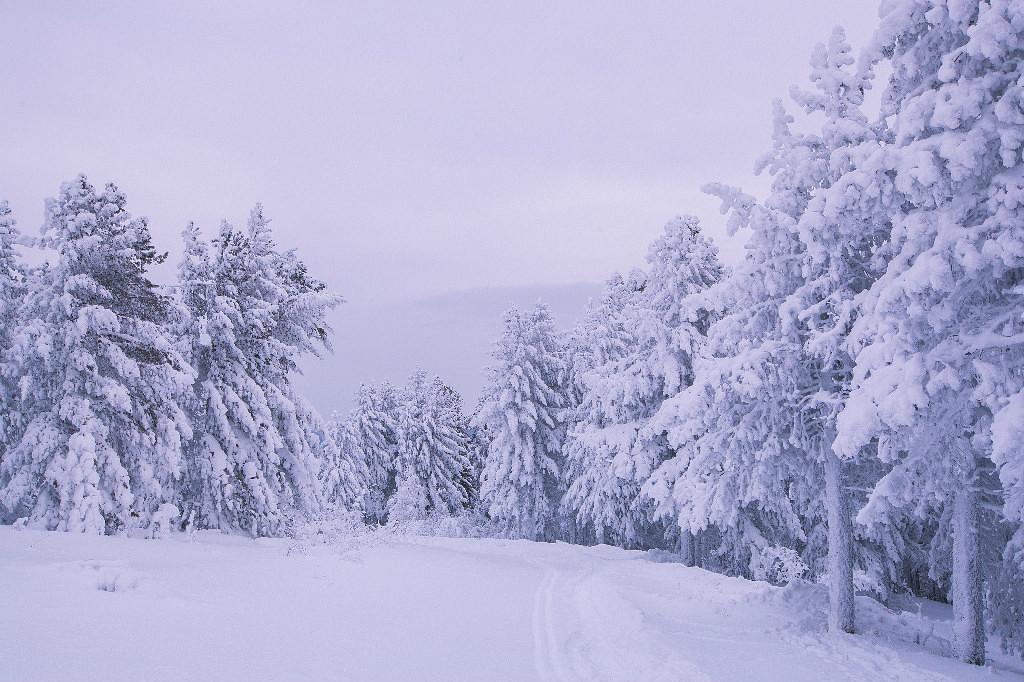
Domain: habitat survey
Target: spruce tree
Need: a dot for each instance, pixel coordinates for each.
(374, 423)
(661, 326)
(100, 449)
(522, 412)
(937, 382)
(343, 468)
(261, 451)
(12, 291)
(433, 446)
(592, 502)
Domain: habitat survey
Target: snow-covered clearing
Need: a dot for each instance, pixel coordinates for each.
(388, 607)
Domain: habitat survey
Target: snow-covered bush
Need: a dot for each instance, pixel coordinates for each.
(777, 565)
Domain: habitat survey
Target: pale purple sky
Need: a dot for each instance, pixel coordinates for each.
(407, 149)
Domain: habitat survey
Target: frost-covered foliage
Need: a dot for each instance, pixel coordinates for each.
(522, 408)
(409, 503)
(433, 445)
(593, 501)
(647, 333)
(412, 445)
(252, 311)
(938, 375)
(12, 292)
(130, 406)
(98, 446)
(343, 467)
(374, 425)
(865, 358)
(845, 406)
(754, 430)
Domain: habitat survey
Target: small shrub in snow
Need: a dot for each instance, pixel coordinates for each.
(777, 565)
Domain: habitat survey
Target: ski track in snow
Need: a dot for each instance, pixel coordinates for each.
(548, 660)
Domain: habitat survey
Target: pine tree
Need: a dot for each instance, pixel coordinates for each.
(409, 503)
(756, 430)
(344, 465)
(433, 446)
(938, 375)
(100, 448)
(260, 447)
(839, 230)
(520, 484)
(617, 448)
(736, 481)
(606, 335)
(299, 327)
(12, 292)
(374, 423)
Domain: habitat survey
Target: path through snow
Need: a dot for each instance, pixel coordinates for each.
(385, 607)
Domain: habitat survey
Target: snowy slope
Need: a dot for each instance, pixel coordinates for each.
(385, 607)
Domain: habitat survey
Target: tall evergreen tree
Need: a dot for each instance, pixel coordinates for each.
(938, 377)
(12, 292)
(343, 466)
(615, 451)
(840, 228)
(375, 423)
(434, 449)
(254, 311)
(593, 502)
(521, 410)
(101, 383)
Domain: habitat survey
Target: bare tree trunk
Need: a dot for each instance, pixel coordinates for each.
(966, 589)
(840, 547)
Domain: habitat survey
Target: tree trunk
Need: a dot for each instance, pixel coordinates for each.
(966, 589)
(688, 547)
(840, 547)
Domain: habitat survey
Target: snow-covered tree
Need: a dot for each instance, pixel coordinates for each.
(938, 378)
(605, 335)
(655, 327)
(259, 447)
(12, 291)
(433, 446)
(100, 448)
(521, 410)
(840, 228)
(374, 423)
(343, 468)
(299, 328)
(755, 432)
(409, 503)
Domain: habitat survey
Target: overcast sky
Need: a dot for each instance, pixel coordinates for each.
(407, 149)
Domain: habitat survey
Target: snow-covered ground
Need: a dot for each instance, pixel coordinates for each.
(390, 607)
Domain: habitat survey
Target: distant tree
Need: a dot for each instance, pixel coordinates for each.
(343, 469)
(660, 327)
(434, 448)
(374, 425)
(521, 410)
(606, 334)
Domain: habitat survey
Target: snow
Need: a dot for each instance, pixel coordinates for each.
(382, 606)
